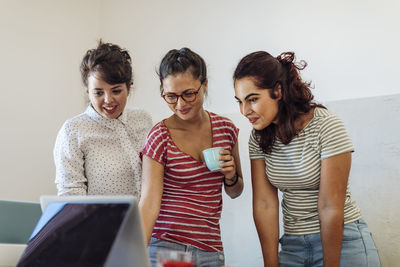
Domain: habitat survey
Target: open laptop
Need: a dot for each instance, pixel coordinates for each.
(87, 231)
(46, 199)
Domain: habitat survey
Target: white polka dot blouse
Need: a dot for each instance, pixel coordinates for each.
(99, 156)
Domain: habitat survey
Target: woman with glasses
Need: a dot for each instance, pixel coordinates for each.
(181, 199)
(302, 149)
(97, 152)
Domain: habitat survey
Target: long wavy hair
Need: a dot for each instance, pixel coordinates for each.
(268, 72)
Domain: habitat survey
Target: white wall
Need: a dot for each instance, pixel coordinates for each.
(42, 43)
(349, 45)
(351, 48)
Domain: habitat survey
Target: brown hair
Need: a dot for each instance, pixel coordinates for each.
(268, 72)
(179, 61)
(112, 63)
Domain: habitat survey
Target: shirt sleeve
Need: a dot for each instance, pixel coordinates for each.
(69, 162)
(155, 146)
(255, 152)
(232, 130)
(140, 126)
(149, 121)
(334, 139)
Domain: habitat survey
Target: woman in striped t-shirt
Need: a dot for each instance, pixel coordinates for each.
(302, 149)
(181, 200)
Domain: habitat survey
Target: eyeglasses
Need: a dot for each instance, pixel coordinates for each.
(188, 96)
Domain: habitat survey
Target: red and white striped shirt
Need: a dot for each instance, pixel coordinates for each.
(192, 198)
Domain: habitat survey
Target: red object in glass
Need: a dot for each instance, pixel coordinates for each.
(173, 263)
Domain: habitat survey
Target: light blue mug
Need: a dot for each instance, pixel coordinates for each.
(211, 156)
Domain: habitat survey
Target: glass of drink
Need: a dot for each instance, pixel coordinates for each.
(172, 258)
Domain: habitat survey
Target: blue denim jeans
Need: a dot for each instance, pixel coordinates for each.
(201, 258)
(358, 248)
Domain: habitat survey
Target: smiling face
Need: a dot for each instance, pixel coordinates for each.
(256, 104)
(184, 83)
(108, 100)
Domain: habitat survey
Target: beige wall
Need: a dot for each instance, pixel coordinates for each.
(42, 43)
(348, 44)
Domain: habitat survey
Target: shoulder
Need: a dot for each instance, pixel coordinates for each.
(137, 114)
(223, 127)
(331, 136)
(73, 129)
(322, 119)
(326, 120)
(255, 150)
(218, 119)
(139, 119)
(253, 138)
(75, 123)
(159, 130)
(156, 141)
(253, 142)
(322, 113)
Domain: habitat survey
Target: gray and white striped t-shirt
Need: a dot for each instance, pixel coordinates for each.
(295, 169)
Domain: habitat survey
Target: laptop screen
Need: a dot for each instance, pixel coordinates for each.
(83, 234)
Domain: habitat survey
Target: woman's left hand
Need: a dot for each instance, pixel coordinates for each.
(228, 166)
(233, 181)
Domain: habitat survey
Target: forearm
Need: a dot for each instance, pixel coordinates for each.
(267, 224)
(332, 194)
(149, 212)
(331, 220)
(151, 194)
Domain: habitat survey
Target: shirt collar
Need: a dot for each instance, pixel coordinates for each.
(110, 123)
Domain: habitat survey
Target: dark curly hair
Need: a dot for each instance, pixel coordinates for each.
(112, 63)
(179, 61)
(268, 72)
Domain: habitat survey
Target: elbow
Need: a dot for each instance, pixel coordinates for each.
(331, 203)
(147, 206)
(265, 207)
(330, 212)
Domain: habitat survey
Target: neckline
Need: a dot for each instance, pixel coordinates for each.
(183, 152)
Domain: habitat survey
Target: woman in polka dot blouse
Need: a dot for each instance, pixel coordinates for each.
(97, 152)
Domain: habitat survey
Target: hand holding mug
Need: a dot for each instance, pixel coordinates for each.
(220, 159)
(228, 167)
